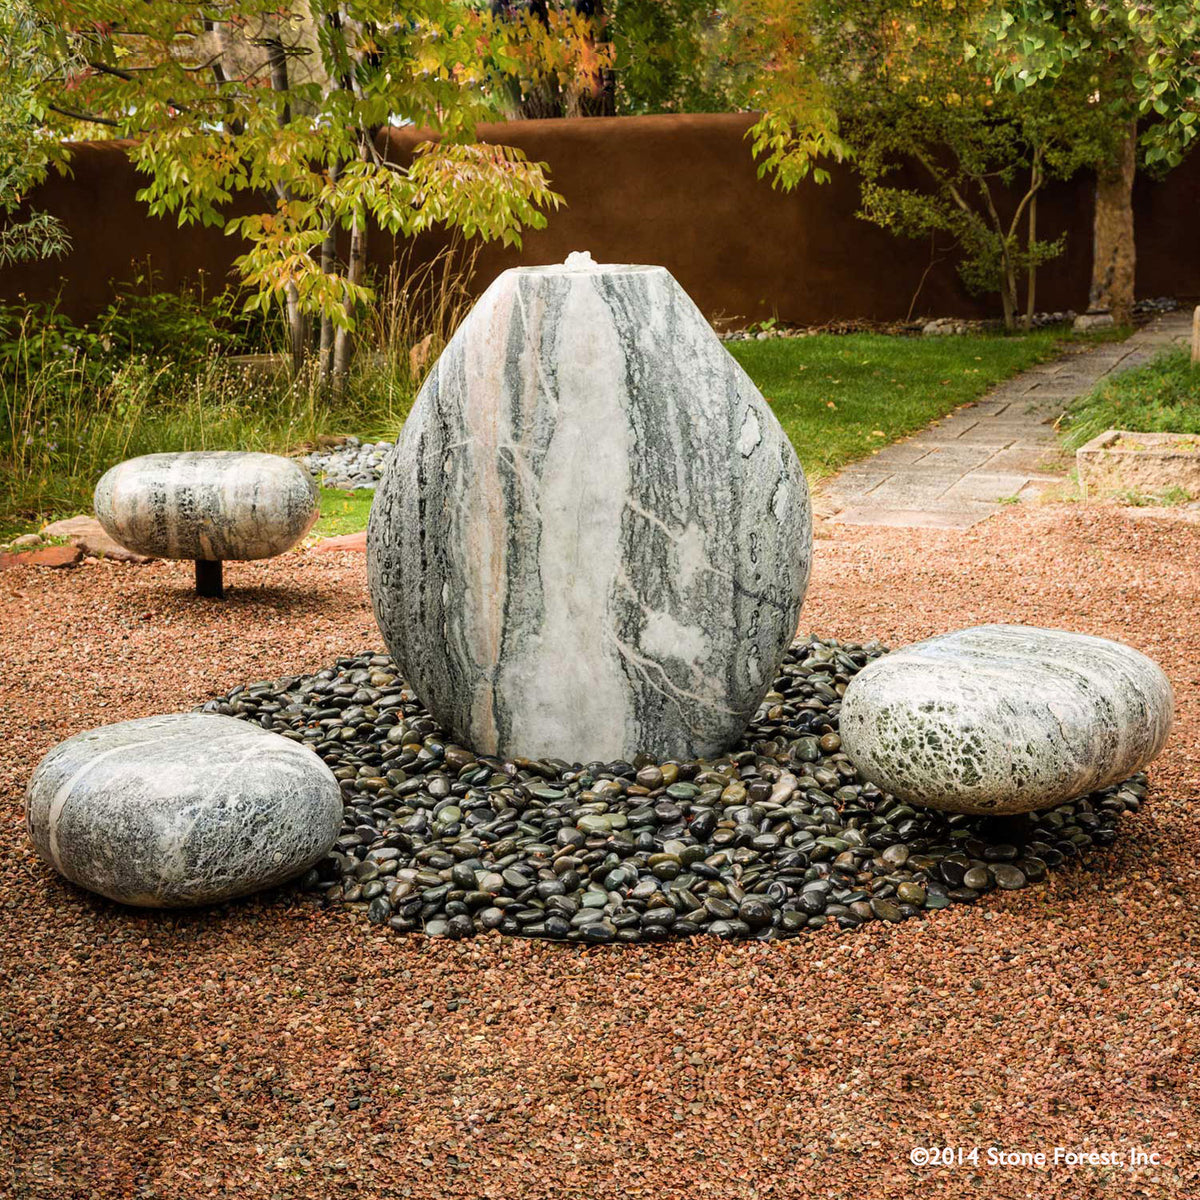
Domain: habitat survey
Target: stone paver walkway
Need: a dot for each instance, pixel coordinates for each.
(959, 470)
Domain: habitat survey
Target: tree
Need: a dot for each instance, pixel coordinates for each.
(899, 83)
(25, 150)
(582, 58)
(563, 56)
(1142, 65)
(672, 56)
(912, 93)
(291, 106)
(778, 55)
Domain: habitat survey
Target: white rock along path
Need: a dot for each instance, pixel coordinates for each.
(957, 471)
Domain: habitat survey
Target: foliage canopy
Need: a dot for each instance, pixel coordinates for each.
(245, 97)
(26, 147)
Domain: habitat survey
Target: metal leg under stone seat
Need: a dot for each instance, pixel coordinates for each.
(209, 581)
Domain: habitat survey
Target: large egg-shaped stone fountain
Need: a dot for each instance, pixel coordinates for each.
(593, 536)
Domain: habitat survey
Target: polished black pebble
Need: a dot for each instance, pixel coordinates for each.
(774, 839)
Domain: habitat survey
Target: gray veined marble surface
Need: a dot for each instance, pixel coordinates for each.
(207, 504)
(593, 536)
(189, 808)
(1005, 718)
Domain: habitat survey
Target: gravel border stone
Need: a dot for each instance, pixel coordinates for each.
(350, 466)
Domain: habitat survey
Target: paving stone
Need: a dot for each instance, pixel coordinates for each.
(1035, 489)
(907, 492)
(1035, 441)
(931, 441)
(986, 485)
(997, 433)
(1029, 461)
(1059, 395)
(901, 453)
(1140, 359)
(856, 483)
(954, 427)
(951, 458)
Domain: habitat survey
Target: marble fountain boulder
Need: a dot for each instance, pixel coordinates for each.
(184, 809)
(212, 506)
(1005, 718)
(593, 536)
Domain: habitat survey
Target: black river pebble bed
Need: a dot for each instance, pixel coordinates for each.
(779, 836)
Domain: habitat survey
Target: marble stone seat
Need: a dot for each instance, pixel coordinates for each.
(208, 505)
(184, 809)
(1005, 718)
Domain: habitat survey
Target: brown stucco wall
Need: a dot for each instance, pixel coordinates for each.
(114, 238)
(677, 190)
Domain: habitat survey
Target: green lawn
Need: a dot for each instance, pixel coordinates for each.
(840, 397)
(342, 512)
(1161, 397)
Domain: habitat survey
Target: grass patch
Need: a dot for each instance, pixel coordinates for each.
(1161, 397)
(343, 512)
(1171, 498)
(61, 429)
(840, 398)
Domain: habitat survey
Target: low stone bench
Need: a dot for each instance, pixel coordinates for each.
(189, 808)
(207, 505)
(1005, 718)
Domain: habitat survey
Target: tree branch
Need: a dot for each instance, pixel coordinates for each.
(1035, 182)
(942, 181)
(128, 77)
(78, 116)
(278, 62)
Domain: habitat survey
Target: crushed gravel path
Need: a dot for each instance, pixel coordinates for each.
(267, 1049)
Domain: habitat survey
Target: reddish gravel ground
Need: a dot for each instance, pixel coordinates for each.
(268, 1049)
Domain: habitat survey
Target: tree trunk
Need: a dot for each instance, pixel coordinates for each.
(356, 270)
(328, 263)
(297, 327)
(328, 267)
(1008, 302)
(1113, 254)
(1031, 274)
(297, 323)
(343, 346)
(277, 58)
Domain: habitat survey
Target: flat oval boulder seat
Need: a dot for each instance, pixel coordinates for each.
(190, 808)
(216, 505)
(593, 536)
(1005, 718)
